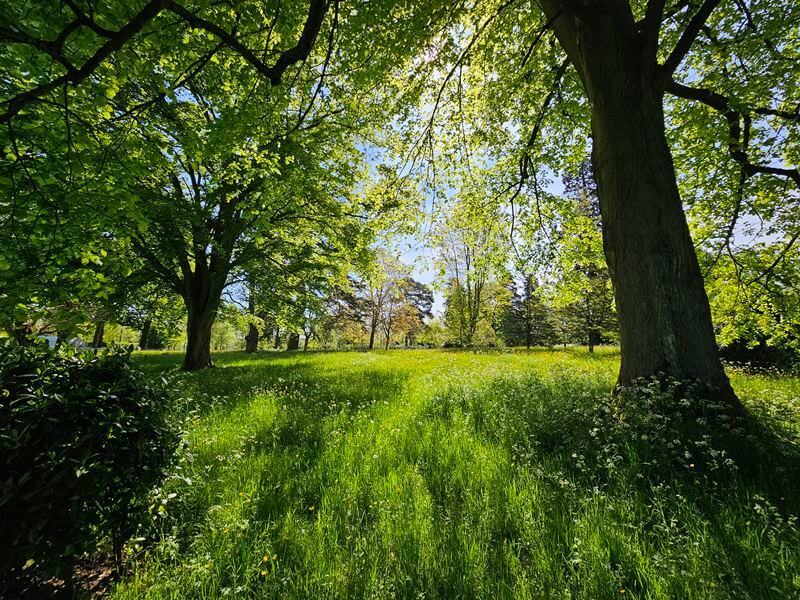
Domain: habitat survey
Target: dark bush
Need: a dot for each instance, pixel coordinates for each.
(83, 437)
(761, 356)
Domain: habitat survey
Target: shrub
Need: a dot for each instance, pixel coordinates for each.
(83, 436)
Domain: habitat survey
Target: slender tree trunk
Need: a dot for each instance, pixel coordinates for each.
(145, 336)
(99, 330)
(277, 338)
(305, 342)
(251, 339)
(663, 310)
(373, 326)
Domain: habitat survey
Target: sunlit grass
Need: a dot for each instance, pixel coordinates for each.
(435, 474)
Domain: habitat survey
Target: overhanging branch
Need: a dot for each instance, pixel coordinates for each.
(734, 117)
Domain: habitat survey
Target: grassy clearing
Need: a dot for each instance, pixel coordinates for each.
(434, 474)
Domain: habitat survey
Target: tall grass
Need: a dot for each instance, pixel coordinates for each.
(436, 474)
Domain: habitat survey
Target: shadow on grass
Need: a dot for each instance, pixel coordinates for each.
(311, 402)
(650, 464)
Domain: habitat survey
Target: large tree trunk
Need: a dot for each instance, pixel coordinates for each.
(145, 335)
(663, 310)
(97, 338)
(198, 343)
(251, 339)
(294, 341)
(201, 305)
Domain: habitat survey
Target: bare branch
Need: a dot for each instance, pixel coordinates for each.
(297, 53)
(116, 39)
(652, 26)
(733, 116)
(76, 76)
(687, 38)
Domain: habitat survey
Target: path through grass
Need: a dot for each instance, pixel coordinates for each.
(434, 474)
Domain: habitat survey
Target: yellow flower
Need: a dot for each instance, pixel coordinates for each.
(311, 507)
(266, 557)
(263, 573)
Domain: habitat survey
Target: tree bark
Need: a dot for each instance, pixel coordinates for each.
(277, 338)
(373, 326)
(145, 335)
(99, 330)
(294, 341)
(251, 339)
(663, 310)
(201, 305)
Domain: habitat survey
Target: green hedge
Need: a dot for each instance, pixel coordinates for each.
(83, 437)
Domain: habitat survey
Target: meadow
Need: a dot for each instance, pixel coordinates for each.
(447, 474)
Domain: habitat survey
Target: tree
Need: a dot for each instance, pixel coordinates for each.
(471, 257)
(154, 310)
(248, 82)
(583, 287)
(527, 320)
(416, 308)
(536, 75)
(379, 294)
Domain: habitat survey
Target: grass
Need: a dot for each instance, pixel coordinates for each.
(435, 474)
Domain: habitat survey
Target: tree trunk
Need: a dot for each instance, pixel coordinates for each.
(372, 327)
(294, 341)
(663, 310)
(251, 339)
(277, 338)
(145, 336)
(201, 307)
(306, 337)
(99, 330)
(198, 343)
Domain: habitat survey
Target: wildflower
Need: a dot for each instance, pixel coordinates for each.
(266, 557)
(263, 573)
(311, 508)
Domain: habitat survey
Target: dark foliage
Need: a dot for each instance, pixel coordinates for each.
(761, 356)
(83, 436)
